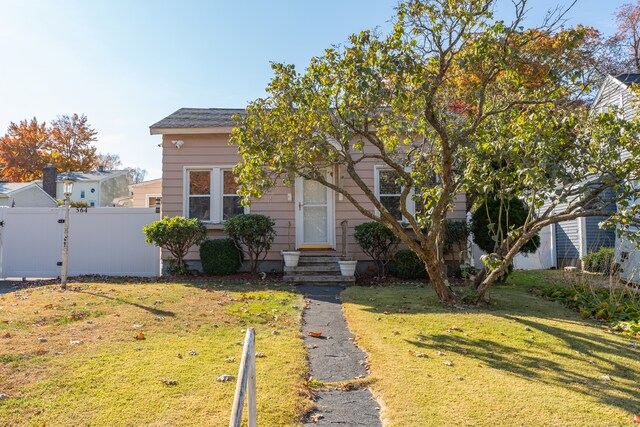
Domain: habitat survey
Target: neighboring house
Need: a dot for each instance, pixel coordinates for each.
(25, 195)
(198, 181)
(96, 188)
(146, 194)
(615, 91)
(565, 243)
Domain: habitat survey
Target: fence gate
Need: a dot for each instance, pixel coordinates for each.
(107, 241)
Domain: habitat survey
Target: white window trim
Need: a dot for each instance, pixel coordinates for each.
(156, 195)
(411, 206)
(217, 188)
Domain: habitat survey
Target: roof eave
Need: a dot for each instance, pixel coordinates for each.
(190, 131)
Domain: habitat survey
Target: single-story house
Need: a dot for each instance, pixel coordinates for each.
(198, 182)
(146, 194)
(25, 195)
(96, 188)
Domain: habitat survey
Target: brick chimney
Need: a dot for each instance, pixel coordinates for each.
(49, 178)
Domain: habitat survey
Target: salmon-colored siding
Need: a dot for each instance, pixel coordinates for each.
(213, 150)
(142, 191)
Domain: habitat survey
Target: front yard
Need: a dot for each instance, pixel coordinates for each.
(77, 357)
(523, 361)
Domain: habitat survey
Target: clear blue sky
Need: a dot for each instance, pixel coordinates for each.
(128, 63)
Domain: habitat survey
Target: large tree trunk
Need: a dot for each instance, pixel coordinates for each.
(507, 254)
(436, 269)
(479, 277)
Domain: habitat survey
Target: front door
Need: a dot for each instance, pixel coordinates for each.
(315, 226)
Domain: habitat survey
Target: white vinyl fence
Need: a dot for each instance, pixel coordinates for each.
(107, 241)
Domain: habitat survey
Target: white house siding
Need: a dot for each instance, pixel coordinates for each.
(100, 190)
(614, 92)
(28, 198)
(86, 191)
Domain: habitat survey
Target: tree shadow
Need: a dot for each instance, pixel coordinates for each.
(611, 357)
(152, 310)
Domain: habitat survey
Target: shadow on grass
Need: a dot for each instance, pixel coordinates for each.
(152, 310)
(533, 359)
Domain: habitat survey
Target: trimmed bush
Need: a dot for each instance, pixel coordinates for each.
(599, 262)
(409, 266)
(378, 242)
(176, 234)
(253, 233)
(220, 257)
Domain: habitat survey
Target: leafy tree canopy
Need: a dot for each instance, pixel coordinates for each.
(450, 92)
(28, 146)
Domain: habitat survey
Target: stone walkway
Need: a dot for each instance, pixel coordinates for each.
(335, 358)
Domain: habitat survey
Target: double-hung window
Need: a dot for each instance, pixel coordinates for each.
(388, 191)
(230, 200)
(211, 194)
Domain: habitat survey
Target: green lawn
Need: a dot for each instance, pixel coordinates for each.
(522, 361)
(110, 378)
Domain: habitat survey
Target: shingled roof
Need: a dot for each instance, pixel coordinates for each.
(628, 79)
(198, 118)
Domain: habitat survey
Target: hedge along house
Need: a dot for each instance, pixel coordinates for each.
(198, 182)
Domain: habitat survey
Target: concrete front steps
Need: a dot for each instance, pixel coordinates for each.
(317, 270)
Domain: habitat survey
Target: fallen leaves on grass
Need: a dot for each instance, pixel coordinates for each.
(169, 382)
(316, 417)
(140, 336)
(448, 363)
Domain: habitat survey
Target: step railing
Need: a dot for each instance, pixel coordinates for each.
(345, 248)
(246, 385)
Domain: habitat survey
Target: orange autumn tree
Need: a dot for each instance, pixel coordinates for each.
(24, 150)
(28, 146)
(628, 21)
(72, 141)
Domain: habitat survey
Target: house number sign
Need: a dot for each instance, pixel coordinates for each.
(82, 210)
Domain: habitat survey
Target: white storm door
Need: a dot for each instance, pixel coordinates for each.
(315, 226)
